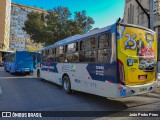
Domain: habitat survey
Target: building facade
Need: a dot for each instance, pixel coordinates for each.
(19, 39)
(157, 7)
(133, 14)
(5, 7)
(5, 10)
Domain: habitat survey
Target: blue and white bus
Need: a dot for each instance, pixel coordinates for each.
(20, 62)
(109, 62)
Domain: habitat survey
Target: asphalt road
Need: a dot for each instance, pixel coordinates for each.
(25, 93)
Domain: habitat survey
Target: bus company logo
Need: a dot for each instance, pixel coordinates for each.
(6, 114)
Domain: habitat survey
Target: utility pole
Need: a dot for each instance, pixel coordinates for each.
(151, 14)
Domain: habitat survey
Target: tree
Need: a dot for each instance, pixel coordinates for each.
(56, 25)
(85, 22)
(35, 27)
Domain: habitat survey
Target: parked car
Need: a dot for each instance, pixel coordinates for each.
(1, 64)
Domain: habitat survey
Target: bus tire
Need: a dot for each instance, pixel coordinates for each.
(66, 84)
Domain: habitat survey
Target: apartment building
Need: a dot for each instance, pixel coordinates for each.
(19, 39)
(5, 10)
(5, 7)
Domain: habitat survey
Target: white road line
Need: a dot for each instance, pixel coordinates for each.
(15, 77)
(0, 90)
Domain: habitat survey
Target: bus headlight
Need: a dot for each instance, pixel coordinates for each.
(129, 62)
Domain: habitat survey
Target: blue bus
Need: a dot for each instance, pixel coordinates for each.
(20, 62)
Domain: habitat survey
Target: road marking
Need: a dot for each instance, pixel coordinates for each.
(0, 90)
(15, 77)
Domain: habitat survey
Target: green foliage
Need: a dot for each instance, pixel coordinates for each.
(85, 22)
(56, 25)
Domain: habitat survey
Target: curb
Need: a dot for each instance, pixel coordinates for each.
(158, 87)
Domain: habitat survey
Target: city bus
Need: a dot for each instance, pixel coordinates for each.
(116, 61)
(20, 62)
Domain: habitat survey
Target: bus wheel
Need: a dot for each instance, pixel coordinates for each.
(38, 74)
(66, 84)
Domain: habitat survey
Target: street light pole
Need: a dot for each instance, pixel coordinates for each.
(151, 14)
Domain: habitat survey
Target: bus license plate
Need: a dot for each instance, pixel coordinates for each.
(142, 77)
(143, 89)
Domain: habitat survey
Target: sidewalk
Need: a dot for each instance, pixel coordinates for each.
(158, 84)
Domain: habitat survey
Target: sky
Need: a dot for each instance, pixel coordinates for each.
(104, 12)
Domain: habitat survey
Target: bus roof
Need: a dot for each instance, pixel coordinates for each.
(18, 52)
(76, 38)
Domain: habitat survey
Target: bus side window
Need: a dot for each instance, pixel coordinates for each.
(93, 42)
(81, 45)
(53, 51)
(76, 46)
(72, 53)
(61, 54)
(88, 53)
(65, 48)
(103, 47)
(43, 56)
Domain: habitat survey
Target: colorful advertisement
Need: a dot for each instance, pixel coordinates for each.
(137, 50)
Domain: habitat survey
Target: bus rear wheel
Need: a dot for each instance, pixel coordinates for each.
(66, 84)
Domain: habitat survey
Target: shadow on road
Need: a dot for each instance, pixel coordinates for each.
(21, 74)
(106, 104)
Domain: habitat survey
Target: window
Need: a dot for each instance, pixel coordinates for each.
(71, 57)
(43, 53)
(103, 47)
(59, 50)
(71, 52)
(71, 47)
(60, 54)
(103, 41)
(53, 51)
(87, 50)
(93, 42)
(44, 56)
(10, 58)
(47, 52)
(102, 55)
(50, 51)
(87, 56)
(50, 59)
